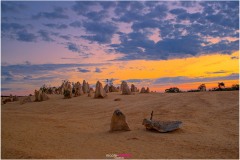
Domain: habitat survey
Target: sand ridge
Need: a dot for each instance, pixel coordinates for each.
(79, 127)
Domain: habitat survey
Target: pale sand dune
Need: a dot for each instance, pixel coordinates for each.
(78, 127)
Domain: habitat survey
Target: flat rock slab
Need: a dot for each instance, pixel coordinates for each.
(161, 126)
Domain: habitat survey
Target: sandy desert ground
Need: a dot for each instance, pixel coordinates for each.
(78, 127)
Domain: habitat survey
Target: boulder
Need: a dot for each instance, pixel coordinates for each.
(125, 89)
(99, 92)
(118, 122)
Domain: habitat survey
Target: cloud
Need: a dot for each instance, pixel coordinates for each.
(223, 46)
(73, 47)
(223, 16)
(135, 45)
(7, 75)
(132, 43)
(76, 24)
(45, 35)
(26, 37)
(149, 23)
(96, 16)
(108, 4)
(30, 77)
(187, 4)
(234, 57)
(12, 6)
(21, 73)
(58, 13)
(11, 27)
(103, 31)
(136, 80)
(27, 63)
(160, 11)
(5, 89)
(98, 70)
(181, 79)
(83, 70)
(128, 11)
(40, 68)
(182, 27)
(81, 7)
(180, 36)
(56, 26)
(217, 72)
(66, 37)
(178, 11)
(180, 46)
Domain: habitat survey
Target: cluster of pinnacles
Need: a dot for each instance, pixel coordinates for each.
(70, 89)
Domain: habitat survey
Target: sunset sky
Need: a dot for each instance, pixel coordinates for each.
(156, 44)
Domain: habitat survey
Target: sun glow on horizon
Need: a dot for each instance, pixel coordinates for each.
(204, 66)
(146, 72)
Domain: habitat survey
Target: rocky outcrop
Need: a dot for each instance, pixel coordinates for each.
(106, 88)
(118, 122)
(134, 88)
(143, 90)
(85, 87)
(112, 88)
(125, 88)
(99, 92)
(40, 96)
(67, 90)
(77, 89)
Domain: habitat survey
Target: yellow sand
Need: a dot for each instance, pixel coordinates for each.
(78, 127)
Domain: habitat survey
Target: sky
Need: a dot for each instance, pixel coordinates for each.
(156, 44)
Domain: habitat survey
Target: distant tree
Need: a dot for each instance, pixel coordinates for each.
(172, 90)
(221, 85)
(202, 87)
(235, 87)
(194, 90)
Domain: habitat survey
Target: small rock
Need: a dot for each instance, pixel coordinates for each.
(117, 99)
